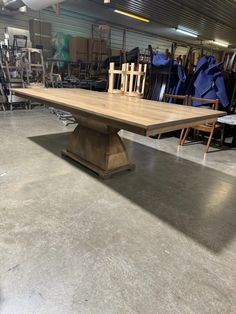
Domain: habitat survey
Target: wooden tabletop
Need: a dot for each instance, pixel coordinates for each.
(140, 116)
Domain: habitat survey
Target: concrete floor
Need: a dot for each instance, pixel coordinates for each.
(161, 239)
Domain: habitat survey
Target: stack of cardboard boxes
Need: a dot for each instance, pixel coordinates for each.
(88, 49)
(78, 49)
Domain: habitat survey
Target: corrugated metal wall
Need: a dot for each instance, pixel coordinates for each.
(74, 25)
(136, 39)
(117, 38)
(77, 24)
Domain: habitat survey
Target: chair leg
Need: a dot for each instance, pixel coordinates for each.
(197, 135)
(181, 136)
(222, 135)
(11, 100)
(210, 138)
(185, 136)
(159, 137)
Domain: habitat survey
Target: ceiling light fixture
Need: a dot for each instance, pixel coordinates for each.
(186, 32)
(132, 16)
(219, 43)
(23, 9)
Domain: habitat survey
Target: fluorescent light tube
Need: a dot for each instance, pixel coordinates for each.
(186, 32)
(219, 43)
(132, 15)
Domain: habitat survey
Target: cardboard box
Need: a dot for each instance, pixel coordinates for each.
(78, 49)
(79, 43)
(87, 50)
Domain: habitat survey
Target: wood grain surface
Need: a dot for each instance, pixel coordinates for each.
(140, 116)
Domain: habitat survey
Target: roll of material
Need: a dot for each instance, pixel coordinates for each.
(39, 5)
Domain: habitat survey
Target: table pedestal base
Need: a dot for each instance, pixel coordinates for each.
(98, 147)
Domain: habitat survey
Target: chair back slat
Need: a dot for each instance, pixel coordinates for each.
(166, 97)
(213, 102)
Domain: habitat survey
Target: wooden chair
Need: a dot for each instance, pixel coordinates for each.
(135, 80)
(127, 81)
(117, 79)
(167, 97)
(33, 62)
(210, 128)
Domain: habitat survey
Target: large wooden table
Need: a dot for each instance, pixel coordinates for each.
(95, 142)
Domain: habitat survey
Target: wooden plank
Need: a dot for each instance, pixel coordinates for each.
(111, 77)
(139, 78)
(144, 79)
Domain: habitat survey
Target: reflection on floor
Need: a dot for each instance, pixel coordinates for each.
(161, 239)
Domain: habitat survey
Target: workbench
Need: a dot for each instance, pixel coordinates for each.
(95, 142)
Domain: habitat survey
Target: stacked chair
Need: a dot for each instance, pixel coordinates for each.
(130, 80)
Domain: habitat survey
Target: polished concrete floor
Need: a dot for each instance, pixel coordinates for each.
(161, 239)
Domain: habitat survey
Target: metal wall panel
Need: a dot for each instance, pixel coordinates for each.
(73, 25)
(76, 24)
(117, 36)
(136, 39)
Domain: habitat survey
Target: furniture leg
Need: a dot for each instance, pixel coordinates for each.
(222, 135)
(181, 136)
(210, 138)
(185, 136)
(197, 135)
(11, 100)
(233, 144)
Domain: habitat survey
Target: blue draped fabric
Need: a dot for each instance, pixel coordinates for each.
(177, 76)
(207, 82)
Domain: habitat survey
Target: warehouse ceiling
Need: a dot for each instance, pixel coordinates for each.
(210, 19)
